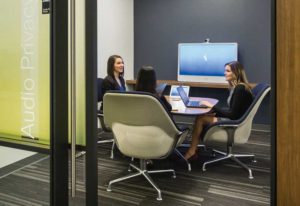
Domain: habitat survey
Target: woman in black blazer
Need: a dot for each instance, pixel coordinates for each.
(115, 72)
(239, 100)
(114, 79)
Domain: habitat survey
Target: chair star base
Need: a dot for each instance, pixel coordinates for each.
(112, 147)
(182, 157)
(142, 171)
(233, 157)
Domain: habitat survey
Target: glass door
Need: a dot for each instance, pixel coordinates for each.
(74, 102)
(35, 102)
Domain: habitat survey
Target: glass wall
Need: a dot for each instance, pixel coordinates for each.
(24, 102)
(24, 72)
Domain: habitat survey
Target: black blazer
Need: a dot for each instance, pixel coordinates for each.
(110, 83)
(240, 101)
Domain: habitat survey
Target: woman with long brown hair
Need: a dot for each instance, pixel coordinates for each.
(239, 99)
(115, 72)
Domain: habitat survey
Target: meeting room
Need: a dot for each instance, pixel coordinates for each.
(139, 102)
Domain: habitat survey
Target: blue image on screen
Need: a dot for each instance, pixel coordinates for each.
(205, 59)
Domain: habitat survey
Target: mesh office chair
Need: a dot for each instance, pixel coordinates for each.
(235, 131)
(143, 129)
(100, 116)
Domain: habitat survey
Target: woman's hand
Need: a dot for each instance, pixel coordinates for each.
(206, 103)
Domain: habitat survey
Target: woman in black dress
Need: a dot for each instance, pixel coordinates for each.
(239, 100)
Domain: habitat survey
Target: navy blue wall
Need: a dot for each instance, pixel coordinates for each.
(159, 25)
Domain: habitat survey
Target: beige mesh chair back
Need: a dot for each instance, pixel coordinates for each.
(142, 128)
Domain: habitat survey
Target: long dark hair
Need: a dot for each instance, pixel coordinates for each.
(239, 73)
(110, 65)
(146, 80)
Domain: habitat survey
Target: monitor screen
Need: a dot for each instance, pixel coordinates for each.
(204, 62)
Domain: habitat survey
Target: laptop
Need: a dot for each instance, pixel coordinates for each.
(174, 93)
(186, 100)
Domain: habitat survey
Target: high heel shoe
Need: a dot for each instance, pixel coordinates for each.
(192, 157)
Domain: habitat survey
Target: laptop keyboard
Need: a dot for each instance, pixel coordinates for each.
(193, 103)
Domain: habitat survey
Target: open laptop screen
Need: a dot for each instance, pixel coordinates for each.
(174, 92)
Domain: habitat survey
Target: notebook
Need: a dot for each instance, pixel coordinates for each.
(186, 100)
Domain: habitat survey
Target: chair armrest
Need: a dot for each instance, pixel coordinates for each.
(228, 125)
(182, 136)
(225, 123)
(230, 130)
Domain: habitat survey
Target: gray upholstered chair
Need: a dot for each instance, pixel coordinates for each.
(233, 132)
(142, 129)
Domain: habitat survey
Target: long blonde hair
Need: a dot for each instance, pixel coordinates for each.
(239, 73)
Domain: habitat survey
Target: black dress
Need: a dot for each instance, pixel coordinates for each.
(240, 101)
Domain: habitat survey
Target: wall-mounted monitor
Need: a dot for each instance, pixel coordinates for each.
(204, 62)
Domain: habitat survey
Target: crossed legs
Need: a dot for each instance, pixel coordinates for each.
(200, 122)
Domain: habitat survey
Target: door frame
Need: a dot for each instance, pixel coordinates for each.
(91, 102)
(59, 192)
(273, 104)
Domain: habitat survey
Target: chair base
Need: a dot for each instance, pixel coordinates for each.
(142, 171)
(233, 157)
(80, 154)
(108, 141)
(182, 157)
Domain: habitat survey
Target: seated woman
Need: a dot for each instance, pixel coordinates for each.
(114, 79)
(115, 72)
(146, 82)
(239, 100)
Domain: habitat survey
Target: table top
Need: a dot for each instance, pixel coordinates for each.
(178, 106)
(191, 84)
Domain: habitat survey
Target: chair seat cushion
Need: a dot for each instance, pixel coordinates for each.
(144, 142)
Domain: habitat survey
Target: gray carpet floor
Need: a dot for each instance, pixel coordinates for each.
(222, 184)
